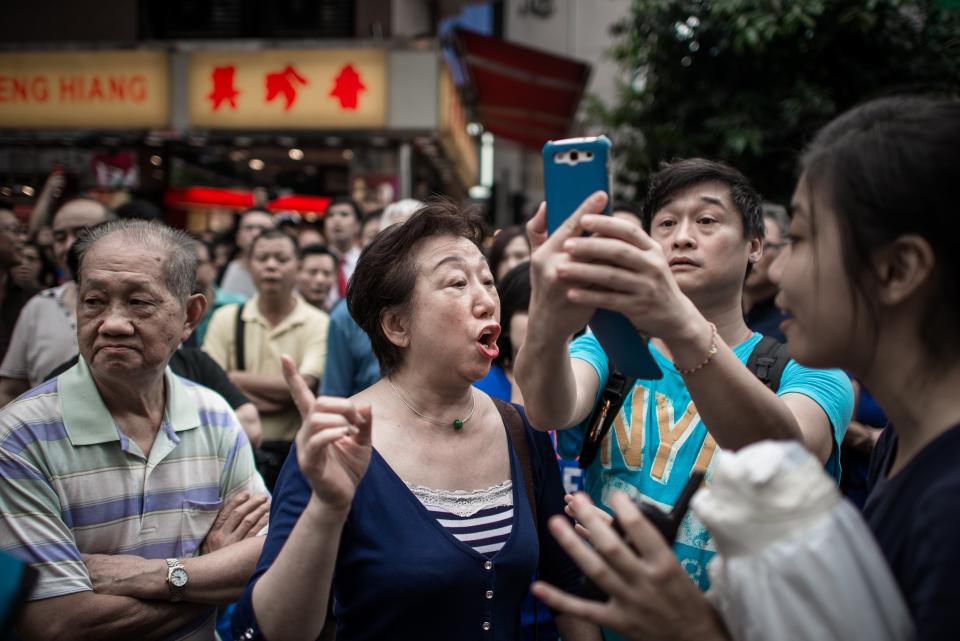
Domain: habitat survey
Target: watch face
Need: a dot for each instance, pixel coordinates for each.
(178, 577)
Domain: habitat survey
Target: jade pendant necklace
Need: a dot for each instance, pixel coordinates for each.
(457, 423)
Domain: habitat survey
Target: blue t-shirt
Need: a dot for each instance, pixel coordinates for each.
(496, 384)
(351, 366)
(652, 458)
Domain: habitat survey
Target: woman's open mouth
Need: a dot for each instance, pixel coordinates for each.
(487, 342)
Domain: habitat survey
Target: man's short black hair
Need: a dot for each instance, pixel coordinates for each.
(680, 174)
(347, 200)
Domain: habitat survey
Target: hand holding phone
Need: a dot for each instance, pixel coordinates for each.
(573, 170)
(667, 524)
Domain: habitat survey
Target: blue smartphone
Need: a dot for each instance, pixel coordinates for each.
(573, 169)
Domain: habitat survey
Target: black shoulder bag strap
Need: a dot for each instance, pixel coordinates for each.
(238, 337)
(768, 360)
(518, 437)
(604, 412)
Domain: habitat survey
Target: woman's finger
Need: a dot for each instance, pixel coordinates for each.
(302, 396)
(364, 425)
(316, 443)
(338, 405)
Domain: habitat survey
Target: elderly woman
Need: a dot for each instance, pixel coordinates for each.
(420, 502)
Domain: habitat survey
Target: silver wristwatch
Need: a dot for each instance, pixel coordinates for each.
(176, 579)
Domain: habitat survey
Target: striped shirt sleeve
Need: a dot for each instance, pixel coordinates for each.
(32, 528)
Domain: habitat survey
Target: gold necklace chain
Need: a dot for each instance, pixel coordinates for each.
(457, 423)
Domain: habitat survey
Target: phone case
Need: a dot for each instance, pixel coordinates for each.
(573, 169)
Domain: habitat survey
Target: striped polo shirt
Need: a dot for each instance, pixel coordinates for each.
(75, 484)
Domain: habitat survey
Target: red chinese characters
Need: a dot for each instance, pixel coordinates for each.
(347, 87)
(285, 84)
(223, 87)
(282, 83)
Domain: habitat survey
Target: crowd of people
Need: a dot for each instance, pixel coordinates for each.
(351, 430)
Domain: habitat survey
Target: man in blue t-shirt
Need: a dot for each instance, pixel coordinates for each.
(679, 281)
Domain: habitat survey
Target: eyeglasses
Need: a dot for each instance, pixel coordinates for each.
(61, 235)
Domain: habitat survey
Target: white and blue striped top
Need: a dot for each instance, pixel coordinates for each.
(481, 519)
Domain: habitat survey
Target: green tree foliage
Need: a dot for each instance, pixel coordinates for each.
(750, 81)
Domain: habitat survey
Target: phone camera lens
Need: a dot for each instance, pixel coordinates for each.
(574, 156)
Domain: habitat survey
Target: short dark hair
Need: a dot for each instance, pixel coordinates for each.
(386, 273)
(680, 174)
(514, 291)
(889, 168)
(317, 249)
(347, 200)
(271, 234)
(499, 247)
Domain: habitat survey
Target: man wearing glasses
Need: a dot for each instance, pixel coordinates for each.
(759, 310)
(45, 334)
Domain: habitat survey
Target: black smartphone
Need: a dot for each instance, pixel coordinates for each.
(667, 523)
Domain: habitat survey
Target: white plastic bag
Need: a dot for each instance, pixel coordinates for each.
(795, 562)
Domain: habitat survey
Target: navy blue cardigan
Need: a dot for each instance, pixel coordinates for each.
(401, 575)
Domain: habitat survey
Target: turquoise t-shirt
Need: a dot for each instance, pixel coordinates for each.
(652, 458)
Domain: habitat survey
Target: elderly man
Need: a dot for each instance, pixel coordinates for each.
(116, 471)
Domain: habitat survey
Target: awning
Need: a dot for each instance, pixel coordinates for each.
(519, 93)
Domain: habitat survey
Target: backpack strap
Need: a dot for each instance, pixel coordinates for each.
(238, 337)
(604, 412)
(768, 360)
(521, 446)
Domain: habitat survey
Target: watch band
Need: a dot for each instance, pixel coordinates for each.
(177, 578)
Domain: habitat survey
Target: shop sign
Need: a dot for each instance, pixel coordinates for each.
(110, 90)
(309, 89)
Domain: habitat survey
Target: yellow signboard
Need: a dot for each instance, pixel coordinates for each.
(315, 89)
(115, 90)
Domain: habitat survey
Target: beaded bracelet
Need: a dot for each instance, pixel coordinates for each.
(710, 353)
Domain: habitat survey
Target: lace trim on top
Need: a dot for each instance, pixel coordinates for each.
(465, 502)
